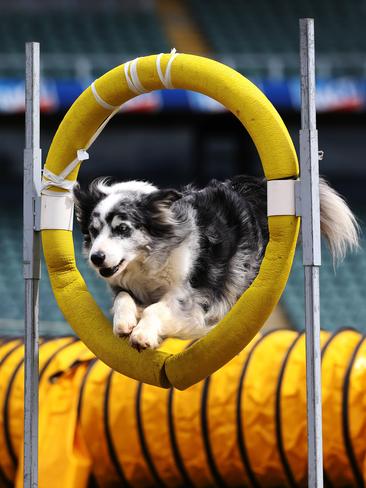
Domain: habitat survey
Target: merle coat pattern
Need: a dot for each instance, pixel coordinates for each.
(178, 261)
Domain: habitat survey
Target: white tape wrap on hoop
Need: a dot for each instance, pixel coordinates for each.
(166, 79)
(57, 211)
(281, 197)
(132, 78)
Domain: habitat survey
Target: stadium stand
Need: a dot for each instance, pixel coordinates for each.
(237, 29)
(181, 28)
(342, 292)
(265, 26)
(65, 35)
(257, 36)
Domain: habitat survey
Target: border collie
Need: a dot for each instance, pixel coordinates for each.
(178, 261)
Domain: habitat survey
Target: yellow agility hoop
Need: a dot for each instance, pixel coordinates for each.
(270, 136)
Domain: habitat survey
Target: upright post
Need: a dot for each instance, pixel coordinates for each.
(31, 262)
(310, 207)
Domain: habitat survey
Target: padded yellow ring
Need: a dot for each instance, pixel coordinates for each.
(240, 325)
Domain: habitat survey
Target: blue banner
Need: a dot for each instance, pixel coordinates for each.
(341, 94)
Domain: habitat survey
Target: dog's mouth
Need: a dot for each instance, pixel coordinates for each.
(108, 272)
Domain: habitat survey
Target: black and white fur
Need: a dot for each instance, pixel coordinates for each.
(178, 261)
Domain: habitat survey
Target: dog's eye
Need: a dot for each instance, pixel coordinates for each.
(123, 229)
(93, 231)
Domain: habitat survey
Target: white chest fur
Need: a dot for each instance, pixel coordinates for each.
(151, 279)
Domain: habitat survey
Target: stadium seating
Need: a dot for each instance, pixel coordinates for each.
(342, 290)
(107, 32)
(236, 29)
(232, 29)
(266, 26)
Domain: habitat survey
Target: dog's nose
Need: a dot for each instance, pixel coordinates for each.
(97, 258)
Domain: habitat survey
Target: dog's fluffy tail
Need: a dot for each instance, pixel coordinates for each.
(337, 222)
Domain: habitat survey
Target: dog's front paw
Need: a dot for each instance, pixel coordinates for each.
(145, 337)
(124, 323)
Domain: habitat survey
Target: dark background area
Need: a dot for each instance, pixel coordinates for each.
(173, 149)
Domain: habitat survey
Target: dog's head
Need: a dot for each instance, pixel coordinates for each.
(121, 222)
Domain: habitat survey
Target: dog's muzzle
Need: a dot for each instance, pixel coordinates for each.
(108, 272)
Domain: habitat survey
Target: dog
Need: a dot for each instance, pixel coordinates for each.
(177, 261)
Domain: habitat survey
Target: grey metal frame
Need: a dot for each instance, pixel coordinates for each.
(31, 261)
(310, 211)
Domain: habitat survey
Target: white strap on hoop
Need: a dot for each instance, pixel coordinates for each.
(132, 78)
(282, 197)
(100, 100)
(60, 180)
(57, 208)
(166, 79)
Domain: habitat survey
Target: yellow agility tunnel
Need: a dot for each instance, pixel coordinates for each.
(243, 426)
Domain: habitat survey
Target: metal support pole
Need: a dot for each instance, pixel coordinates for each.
(31, 262)
(309, 165)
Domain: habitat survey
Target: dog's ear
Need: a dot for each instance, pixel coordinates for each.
(162, 199)
(158, 217)
(86, 200)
